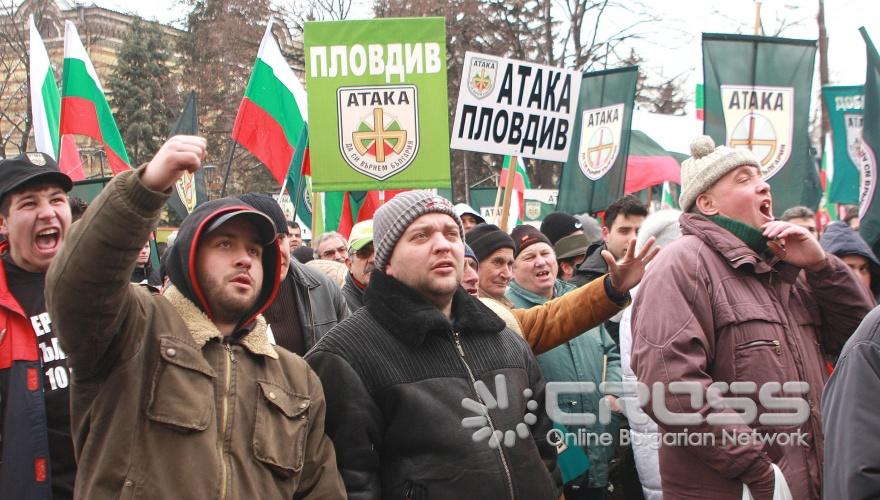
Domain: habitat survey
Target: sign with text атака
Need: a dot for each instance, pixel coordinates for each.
(516, 108)
(377, 104)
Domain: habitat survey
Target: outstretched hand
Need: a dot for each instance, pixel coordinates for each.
(179, 153)
(794, 245)
(629, 271)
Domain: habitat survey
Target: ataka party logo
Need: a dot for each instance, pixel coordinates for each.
(186, 190)
(378, 128)
(481, 77)
(601, 131)
(760, 119)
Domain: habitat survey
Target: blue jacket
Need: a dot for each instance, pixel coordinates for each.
(580, 360)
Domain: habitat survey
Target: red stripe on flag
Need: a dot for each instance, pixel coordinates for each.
(256, 130)
(646, 171)
(78, 116)
(69, 161)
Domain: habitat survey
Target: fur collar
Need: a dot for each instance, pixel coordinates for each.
(410, 317)
(202, 329)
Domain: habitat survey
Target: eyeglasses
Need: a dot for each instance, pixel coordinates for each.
(326, 254)
(365, 252)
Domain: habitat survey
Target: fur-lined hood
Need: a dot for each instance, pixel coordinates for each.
(202, 329)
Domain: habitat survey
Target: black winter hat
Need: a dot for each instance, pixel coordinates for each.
(15, 172)
(525, 236)
(558, 225)
(486, 239)
(266, 204)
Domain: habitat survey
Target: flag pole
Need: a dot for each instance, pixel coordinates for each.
(508, 191)
(497, 197)
(283, 187)
(228, 168)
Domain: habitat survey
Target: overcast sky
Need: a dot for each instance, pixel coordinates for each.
(671, 46)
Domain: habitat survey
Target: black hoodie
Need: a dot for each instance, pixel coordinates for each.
(181, 257)
(840, 239)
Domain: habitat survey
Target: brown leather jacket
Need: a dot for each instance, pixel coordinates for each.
(161, 405)
(710, 310)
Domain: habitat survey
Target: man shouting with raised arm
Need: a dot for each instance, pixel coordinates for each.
(182, 395)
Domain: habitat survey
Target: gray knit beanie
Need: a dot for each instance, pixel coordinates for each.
(706, 165)
(392, 219)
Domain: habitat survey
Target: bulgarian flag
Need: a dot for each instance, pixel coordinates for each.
(520, 184)
(272, 113)
(84, 108)
(699, 102)
(648, 164)
(46, 108)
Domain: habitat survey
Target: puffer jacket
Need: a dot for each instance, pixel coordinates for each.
(162, 405)
(396, 375)
(710, 310)
(580, 360)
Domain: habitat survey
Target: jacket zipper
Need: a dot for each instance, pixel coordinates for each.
(457, 340)
(311, 333)
(761, 343)
(230, 360)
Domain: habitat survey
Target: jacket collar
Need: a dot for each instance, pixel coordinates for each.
(733, 249)
(202, 329)
(410, 317)
(7, 300)
(533, 299)
(296, 272)
(594, 262)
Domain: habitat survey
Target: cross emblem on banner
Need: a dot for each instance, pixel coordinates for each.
(379, 135)
(599, 148)
(481, 81)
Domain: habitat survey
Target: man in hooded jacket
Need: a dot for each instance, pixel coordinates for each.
(181, 395)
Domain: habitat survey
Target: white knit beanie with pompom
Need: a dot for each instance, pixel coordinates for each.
(706, 165)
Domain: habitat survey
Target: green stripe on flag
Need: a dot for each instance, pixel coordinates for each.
(78, 83)
(268, 92)
(52, 107)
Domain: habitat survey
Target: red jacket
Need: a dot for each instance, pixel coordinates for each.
(24, 444)
(710, 310)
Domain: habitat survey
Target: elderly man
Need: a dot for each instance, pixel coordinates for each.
(493, 248)
(331, 246)
(182, 395)
(360, 263)
(743, 298)
(405, 375)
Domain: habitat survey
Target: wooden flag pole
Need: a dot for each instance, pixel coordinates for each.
(508, 191)
(315, 211)
(497, 204)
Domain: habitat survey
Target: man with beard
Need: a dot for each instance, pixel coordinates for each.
(182, 395)
(36, 452)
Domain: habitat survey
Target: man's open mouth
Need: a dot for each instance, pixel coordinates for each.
(48, 239)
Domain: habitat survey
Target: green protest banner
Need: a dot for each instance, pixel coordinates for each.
(869, 209)
(595, 173)
(757, 97)
(844, 105)
(378, 112)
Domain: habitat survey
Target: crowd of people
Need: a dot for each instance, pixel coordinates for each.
(430, 354)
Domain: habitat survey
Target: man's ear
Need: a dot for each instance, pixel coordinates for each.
(705, 204)
(4, 227)
(605, 233)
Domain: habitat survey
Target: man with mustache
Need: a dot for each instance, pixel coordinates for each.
(360, 263)
(182, 395)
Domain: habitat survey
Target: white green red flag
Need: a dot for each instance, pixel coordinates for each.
(520, 184)
(45, 98)
(272, 113)
(84, 107)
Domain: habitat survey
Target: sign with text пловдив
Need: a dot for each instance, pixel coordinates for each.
(378, 114)
(516, 108)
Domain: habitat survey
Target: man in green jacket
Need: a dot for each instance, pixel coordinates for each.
(590, 357)
(182, 395)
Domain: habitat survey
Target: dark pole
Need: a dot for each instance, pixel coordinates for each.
(228, 168)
